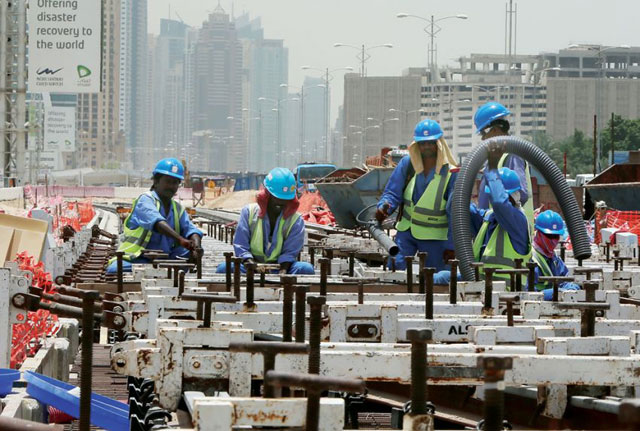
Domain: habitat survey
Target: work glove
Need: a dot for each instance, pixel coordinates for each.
(495, 151)
(382, 213)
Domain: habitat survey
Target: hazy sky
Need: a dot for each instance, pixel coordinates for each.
(311, 27)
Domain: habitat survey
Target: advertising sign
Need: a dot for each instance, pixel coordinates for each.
(65, 46)
(60, 129)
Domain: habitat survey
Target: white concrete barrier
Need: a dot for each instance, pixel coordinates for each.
(11, 193)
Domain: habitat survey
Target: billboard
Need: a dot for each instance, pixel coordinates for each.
(59, 129)
(65, 46)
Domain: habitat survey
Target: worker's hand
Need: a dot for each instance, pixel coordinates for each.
(196, 251)
(448, 255)
(185, 243)
(284, 268)
(495, 151)
(382, 213)
(282, 271)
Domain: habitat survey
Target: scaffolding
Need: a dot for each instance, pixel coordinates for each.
(13, 42)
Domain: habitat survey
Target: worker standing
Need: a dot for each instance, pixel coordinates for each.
(491, 121)
(504, 233)
(158, 222)
(270, 230)
(420, 188)
(549, 227)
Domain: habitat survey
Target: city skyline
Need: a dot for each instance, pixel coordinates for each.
(312, 43)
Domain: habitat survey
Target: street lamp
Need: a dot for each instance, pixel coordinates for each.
(327, 106)
(363, 55)
(432, 29)
(362, 131)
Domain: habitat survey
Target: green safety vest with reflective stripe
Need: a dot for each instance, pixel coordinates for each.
(499, 252)
(136, 240)
(528, 205)
(545, 269)
(428, 218)
(256, 245)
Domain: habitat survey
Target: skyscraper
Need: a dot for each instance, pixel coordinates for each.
(169, 86)
(133, 75)
(217, 85)
(99, 124)
(266, 62)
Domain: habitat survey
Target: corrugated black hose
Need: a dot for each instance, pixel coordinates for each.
(461, 223)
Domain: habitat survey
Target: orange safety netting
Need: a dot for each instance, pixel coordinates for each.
(27, 336)
(626, 221)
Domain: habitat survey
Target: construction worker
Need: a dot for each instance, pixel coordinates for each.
(270, 230)
(504, 233)
(490, 121)
(420, 187)
(157, 222)
(549, 227)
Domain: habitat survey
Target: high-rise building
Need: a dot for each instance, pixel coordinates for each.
(134, 60)
(266, 62)
(590, 80)
(379, 111)
(217, 86)
(99, 136)
(169, 89)
(315, 120)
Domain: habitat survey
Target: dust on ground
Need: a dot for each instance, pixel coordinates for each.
(233, 201)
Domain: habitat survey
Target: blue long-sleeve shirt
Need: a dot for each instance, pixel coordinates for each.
(290, 249)
(146, 214)
(514, 163)
(510, 218)
(558, 269)
(394, 191)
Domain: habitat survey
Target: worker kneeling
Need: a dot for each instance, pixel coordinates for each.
(549, 226)
(157, 222)
(271, 231)
(420, 187)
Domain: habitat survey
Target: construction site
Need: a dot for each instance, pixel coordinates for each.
(188, 244)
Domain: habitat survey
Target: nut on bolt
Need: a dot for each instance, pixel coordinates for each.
(19, 300)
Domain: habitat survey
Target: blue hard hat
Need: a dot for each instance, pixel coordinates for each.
(171, 167)
(550, 222)
(281, 183)
(488, 113)
(510, 181)
(427, 130)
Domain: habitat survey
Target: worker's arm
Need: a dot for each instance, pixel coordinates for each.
(191, 232)
(162, 227)
(508, 217)
(292, 244)
(559, 269)
(242, 237)
(394, 191)
(518, 165)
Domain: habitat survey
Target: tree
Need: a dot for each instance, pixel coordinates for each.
(626, 136)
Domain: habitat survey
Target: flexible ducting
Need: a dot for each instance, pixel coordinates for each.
(461, 222)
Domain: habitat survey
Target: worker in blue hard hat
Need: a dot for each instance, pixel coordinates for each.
(270, 230)
(491, 121)
(502, 232)
(420, 188)
(549, 227)
(158, 222)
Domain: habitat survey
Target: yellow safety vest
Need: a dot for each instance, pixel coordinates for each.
(136, 240)
(541, 261)
(528, 205)
(499, 252)
(256, 245)
(428, 218)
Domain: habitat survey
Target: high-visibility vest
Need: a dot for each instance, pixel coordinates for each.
(499, 252)
(528, 205)
(428, 218)
(136, 240)
(545, 269)
(256, 245)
